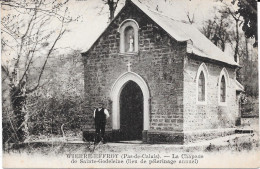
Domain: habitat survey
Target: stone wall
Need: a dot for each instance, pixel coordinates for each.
(211, 115)
(170, 74)
(159, 62)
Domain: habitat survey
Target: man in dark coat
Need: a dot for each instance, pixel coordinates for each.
(100, 115)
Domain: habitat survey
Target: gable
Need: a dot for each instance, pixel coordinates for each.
(181, 31)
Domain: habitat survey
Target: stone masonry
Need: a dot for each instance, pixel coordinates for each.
(169, 72)
(159, 62)
(211, 116)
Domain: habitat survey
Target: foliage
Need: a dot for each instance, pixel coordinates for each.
(112, 7)
(250, 72)
(249, 107)
(218, 30)
(29, 39)
(43, 90)
(225, 30)
(249, 78)
(248, 10)
(60, 101)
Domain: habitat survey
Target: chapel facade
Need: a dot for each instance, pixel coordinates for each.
(161, 80)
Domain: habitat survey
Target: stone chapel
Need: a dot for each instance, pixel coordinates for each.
(161, 80)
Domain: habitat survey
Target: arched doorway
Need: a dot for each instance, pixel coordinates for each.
(131, 112)
(116, 91)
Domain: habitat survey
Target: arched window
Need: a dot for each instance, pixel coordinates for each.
(223, 86)
(201, 79)
(201, 87)
(128, 36)
(223, 89)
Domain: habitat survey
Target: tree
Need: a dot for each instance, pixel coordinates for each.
(217, 30)
(249, 78)
(224, 29)
(58, 107)
(248, 10)
(112, 8)
(29, 39)
(112, 4)
(236, 17)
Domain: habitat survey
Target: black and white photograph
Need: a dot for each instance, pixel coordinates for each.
(129, 84)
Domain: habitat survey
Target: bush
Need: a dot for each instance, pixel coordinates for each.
(60, 101)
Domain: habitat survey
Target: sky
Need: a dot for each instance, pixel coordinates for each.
(94, 17)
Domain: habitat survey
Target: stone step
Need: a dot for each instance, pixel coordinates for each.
(244, 131)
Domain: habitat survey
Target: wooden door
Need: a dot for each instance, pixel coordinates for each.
(131, 112)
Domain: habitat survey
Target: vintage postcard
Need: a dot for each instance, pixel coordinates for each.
(130, 84)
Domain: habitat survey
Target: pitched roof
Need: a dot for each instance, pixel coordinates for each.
(184, 31)
(239, 87)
